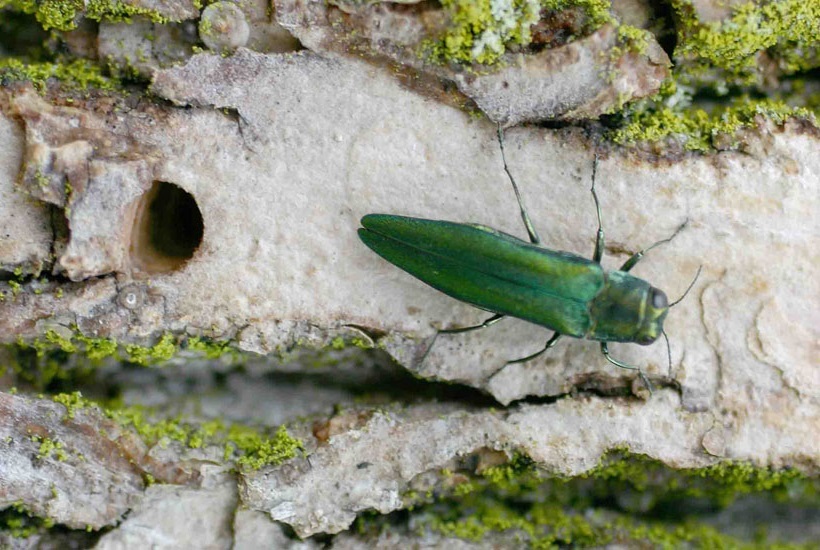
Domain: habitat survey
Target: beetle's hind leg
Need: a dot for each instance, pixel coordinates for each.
(644, 379)
(490, 321)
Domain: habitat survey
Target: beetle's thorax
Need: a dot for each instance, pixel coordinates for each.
(627, 309)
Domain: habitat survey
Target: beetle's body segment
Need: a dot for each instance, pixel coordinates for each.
(503, 274)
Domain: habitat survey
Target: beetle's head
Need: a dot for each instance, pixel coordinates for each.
(656, 307)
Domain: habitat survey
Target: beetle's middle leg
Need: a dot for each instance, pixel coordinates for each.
(551, 342)
(487, 323)
(644, 379)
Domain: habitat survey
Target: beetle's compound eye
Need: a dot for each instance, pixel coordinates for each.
(646, 339)
(659, 300)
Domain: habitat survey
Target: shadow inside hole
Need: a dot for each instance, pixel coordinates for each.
(168, 229)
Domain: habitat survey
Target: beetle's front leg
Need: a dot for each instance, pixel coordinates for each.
(644, 379)
(636, 257)
(487, 323)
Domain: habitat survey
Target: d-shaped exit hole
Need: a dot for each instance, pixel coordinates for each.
(168, 229)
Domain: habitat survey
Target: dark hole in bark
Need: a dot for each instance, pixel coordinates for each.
(168, 229)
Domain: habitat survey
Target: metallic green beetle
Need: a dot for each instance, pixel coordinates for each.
(500, 273)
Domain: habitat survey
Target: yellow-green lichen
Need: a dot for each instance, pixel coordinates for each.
(79, 74)
(787, 29)
(51, 14)
(117, 10)
(634, 39)
(699, 130)
(63, 15)
(480, 31)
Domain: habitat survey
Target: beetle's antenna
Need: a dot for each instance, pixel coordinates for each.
(668, 351)
(700, 268)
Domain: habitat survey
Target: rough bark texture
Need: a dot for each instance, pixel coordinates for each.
(225, 205)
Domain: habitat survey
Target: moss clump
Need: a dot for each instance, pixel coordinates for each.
(211, 349)
(20, 523)
(72, 402)
(786, 29)
(164, 350)
(248, 447)
(626, 498)
(94, 348)
(151, 431)
(50, 448)
(257, 450)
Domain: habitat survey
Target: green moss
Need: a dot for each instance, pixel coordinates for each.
(72, 402)
(626, 498)
(50, 448)
(249, 447)
(15, 287)
(258, 450)
(79, 74)
(209, 348)
(20, 523)
(165, 349)
(97, 349)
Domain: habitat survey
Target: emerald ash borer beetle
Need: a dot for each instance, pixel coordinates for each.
(507, 276)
